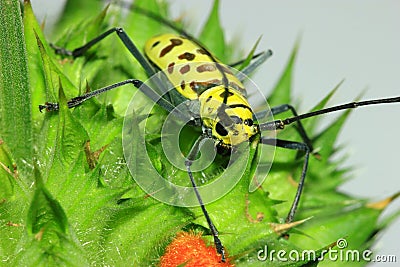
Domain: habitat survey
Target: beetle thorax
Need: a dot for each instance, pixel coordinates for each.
(227, 116)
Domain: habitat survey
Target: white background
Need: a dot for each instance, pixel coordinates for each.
(356, 40)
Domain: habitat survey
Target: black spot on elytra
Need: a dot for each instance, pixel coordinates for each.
(167, 49)
(188, 56)
(207, 67)
(171, 67)
(184, 69)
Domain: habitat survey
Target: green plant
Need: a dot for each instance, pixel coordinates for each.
(65, 201)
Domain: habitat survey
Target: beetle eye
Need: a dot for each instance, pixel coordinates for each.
(248, 122)
(221, 129)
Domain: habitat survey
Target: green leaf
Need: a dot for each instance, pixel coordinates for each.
(45, 213)
(7, 172)
(14, 198)
(53, 76)
(75, 12)
(249, 57)
(35, 64)
(146, 237)
(65, 141)
(77, 35)
(51, 242)
(281, 93)
(212, 34)
(87, 208)
(71, 134)
(142, 27)
(15, 100)
(353, 223)
(310, 123)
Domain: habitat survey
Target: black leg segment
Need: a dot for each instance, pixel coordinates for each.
(128, 43)
(280, 109)
(299, 147)
(80, 51)
(145, 89)
(188, 162)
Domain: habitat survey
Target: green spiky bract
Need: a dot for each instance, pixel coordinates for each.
(60, 205)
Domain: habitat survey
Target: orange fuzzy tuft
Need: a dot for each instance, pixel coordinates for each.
(190, 250)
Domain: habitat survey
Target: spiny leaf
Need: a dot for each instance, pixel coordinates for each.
(45, 213)
(78, 35)
(14, 198)
(249, 57)
(212, 34)
(36, 77)
(381, 205)
(354, 222)
(282, 228)
(116, 222)
(70, 132)
(49, 240)
(326, 140)
(76, 11)
(144, 27)
(66, 139)
(53, 75)
(131, 233)
(282, 90)
(311, 123)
